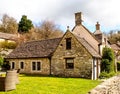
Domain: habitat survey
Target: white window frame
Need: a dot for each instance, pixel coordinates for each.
(11, 64)
(36, 66)
(20, 65)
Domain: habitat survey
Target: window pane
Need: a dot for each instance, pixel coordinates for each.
(68, 43)
(22, 65)
(33, 66)
(13, 65)
(38, 66)
(69, 60)
(69, 63)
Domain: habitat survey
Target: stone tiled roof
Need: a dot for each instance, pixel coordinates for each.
(35, 49)
(115, 47)
(83, 32)
(45, 48)
(8, 36)
(89, 48)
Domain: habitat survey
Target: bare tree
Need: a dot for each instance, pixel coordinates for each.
(8, 24)
(45, 30)
(48, 29)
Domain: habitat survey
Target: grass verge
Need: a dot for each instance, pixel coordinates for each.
(31, 84)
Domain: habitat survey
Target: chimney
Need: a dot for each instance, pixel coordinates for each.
(97, 26)
(78, 19)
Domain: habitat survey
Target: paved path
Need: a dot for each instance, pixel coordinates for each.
(110, 86)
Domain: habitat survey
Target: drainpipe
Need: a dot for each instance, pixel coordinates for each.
(50, 64)
(94, 69)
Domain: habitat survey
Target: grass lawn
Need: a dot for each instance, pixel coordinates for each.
(52, 85)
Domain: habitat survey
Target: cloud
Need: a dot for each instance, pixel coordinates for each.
(62, 11)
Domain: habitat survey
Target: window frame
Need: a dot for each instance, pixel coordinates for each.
(68, 43)
(21, 65)
(12, 65)
(69, 65)
(37, 66)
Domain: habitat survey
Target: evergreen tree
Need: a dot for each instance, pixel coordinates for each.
(107, 60)
(24, 25)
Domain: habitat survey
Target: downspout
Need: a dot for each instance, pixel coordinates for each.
(50, 65)
(92, 68)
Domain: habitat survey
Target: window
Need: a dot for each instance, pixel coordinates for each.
(36, 66)
(33, 65)
(68, 43)
(13, 65)
(69, 63)
(21, 65)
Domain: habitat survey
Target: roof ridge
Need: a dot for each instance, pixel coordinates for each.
(42, 40)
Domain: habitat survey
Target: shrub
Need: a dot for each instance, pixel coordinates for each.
(1, 61)
(106, 75)
(107, 60)
(8, 45)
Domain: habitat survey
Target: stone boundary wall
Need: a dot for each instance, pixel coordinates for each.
(110, 86)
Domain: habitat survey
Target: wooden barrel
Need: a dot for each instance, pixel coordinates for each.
(10, 81)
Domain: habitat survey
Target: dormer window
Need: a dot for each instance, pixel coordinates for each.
(68, 43)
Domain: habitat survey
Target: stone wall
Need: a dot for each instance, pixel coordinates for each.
(45, 65)
(82, 59)
(110, 86)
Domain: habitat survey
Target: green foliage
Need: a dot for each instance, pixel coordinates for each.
(6, 65)
(106, 75)
(1, 61)
(8, 45)
(107, 60)
(30, 84)
(24, 25)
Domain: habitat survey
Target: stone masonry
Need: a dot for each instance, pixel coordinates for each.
(82, 59)
(110, 86)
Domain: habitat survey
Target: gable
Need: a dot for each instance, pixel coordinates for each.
(83, 32)
(78, 46)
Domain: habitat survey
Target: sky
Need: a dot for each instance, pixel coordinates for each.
(61, 12)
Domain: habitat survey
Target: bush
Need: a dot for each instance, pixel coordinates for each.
(106, 75)
(107, 64)
(1, 61)
(8, 45)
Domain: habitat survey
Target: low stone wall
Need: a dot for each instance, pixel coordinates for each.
(110, 86)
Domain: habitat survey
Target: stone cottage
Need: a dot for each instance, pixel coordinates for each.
(76, 54)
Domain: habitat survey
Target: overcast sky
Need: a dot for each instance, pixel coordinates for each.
(107, 12)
